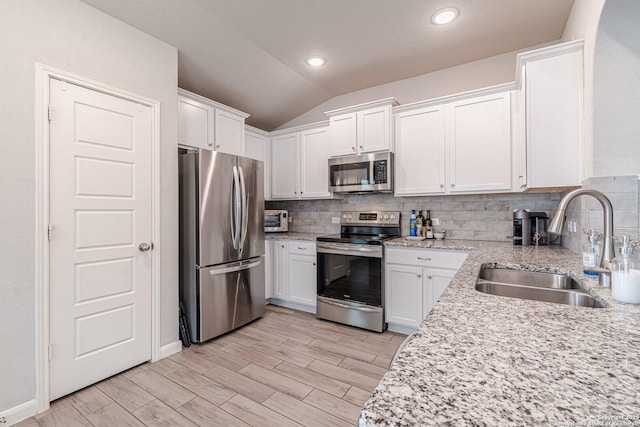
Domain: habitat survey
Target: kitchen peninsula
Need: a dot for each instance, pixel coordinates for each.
(479, 359)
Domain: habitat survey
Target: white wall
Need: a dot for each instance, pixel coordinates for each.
(616, 149)
(462, 78)
(71, 36)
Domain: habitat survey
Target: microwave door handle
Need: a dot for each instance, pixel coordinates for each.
(244, 214)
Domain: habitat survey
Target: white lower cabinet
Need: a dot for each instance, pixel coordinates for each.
(414, 281)
(293, 274)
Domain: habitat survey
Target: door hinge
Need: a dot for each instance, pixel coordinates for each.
(49, 231)
(49, 112)
(49, 352)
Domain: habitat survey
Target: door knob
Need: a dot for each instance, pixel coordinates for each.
(144, 247)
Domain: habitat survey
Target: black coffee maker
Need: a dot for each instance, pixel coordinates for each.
(530, 228)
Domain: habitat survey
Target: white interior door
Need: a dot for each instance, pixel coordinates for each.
(100, 214)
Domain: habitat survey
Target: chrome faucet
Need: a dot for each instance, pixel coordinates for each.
(608, 252)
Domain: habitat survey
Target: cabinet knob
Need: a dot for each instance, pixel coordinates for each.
(218, 146)
(314, 263)
(453, 185)
(419, 275)
(361, 147)
(520, 176)
(283, 246)
(302, 192)
(353, 148)
(429, 277)
(441, 185)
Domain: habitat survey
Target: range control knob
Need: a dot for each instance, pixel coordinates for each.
(350, 217)
(344, 216)
(393, 217)
(386, 217)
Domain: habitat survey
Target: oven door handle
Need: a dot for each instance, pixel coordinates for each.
(346, 249)
(349, 306)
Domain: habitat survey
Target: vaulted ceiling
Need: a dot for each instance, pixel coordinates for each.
(250, 54)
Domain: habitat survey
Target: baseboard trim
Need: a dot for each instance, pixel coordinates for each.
(169, 349)
(293, 305)
(19, 413)
(407, 330)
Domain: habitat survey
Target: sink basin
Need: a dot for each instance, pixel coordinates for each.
(537, 286)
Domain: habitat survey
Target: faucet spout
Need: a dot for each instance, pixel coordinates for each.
(557, 223)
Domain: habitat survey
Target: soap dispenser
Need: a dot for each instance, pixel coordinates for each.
(625, 275)
(591, 254)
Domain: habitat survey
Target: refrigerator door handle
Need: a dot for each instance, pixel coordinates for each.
(235, 209)
(244, 213)
(236, 266)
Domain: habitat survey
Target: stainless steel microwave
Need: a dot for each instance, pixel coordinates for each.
(276, 220)
(365, 173)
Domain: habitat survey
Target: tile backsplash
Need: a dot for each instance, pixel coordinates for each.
(473, 217)
(624, 193)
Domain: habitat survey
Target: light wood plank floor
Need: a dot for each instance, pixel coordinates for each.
(285, 369)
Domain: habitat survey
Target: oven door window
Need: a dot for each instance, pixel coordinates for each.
(350, 278)
(272, 220)
(351, 174)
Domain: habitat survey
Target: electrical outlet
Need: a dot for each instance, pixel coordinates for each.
(335, 220)
(435, 221)
(290, 219)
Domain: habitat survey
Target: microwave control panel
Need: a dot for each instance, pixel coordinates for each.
(380, 171)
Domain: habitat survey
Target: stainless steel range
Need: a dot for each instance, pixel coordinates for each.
(351, 269)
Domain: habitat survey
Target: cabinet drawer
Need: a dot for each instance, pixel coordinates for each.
(425, 257)
(302, 247)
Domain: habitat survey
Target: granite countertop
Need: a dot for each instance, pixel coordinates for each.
(479, 359)
(293, 236)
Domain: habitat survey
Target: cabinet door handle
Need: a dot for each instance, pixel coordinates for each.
(218, 146)
(361, 147)
(441, 185)
(453, 185)
(424, 259)
(302, 249)
(283, 246)
(429, 277)
(314, 264)
(302, 192)
(419, 275)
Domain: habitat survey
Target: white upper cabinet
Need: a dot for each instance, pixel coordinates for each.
(229, 132)
(285, 172)
(363, 128)
(480, 144)
(196, 123)
(299, 163)
(552, 80)
(204, 123)
(420, 151)
(343, 134)
(257, 146)
(463, 146)
(314, 167)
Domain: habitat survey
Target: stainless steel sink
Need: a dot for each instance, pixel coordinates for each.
(537, 286)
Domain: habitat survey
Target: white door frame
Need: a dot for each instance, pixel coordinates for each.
(43, 74)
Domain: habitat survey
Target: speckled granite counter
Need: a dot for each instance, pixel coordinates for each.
(292, 236)
(479, 359)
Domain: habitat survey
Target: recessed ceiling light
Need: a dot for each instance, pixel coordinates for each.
(316, 61)
(444, 16)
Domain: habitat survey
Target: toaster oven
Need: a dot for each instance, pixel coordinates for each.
(276, 220)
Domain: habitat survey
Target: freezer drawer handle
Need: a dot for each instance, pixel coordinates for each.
(242, 265)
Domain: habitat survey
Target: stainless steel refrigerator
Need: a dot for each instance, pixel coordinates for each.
(222, 275)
